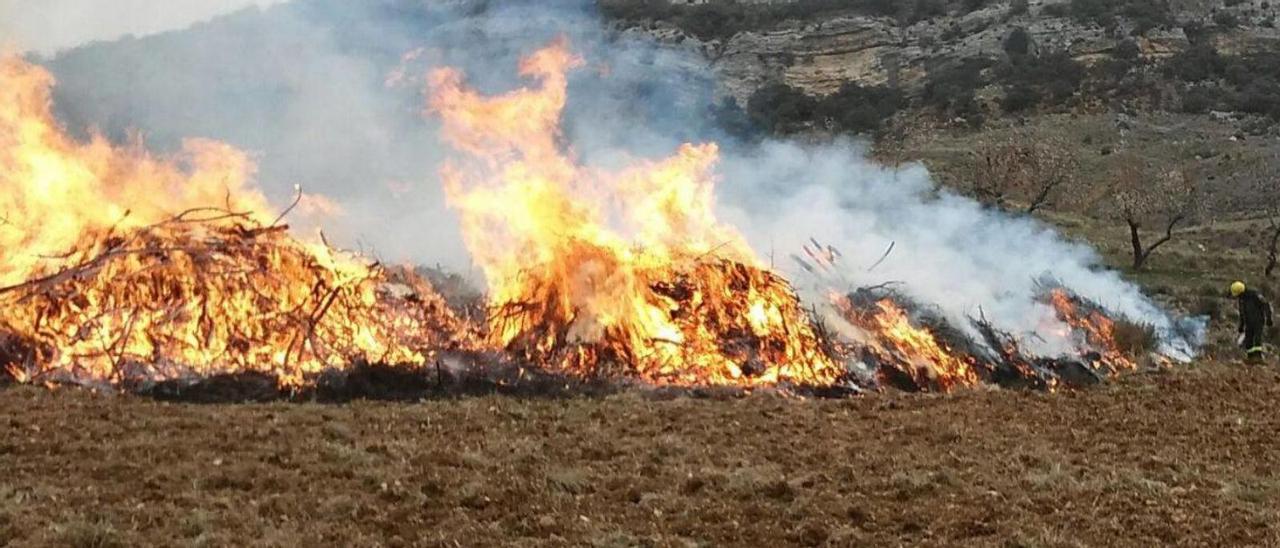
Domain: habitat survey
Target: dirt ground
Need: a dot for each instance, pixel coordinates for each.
(1186, 457)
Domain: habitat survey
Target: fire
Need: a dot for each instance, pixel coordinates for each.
(124, 268)
(1096, 333)
(930, 354)
(597, 272)
(900, 348)
(57, 191)
(121, 266)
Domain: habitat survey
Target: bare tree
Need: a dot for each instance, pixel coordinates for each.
(894, 147)
(1144, 195)
(1022, 168)
(1262, 184)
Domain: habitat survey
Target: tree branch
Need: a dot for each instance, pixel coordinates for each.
(1168, 235)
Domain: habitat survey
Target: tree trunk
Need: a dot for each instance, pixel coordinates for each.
(1041, 199)
(1139, 254)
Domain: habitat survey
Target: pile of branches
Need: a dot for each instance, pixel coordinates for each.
(450, 374)
(212, 292)
(708, 303)
(995, 355)
(888, 365)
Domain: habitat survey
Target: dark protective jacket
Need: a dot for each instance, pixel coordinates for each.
(1255, 311)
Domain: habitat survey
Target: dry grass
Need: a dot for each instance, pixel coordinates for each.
(1162, 458)
(1135, 338)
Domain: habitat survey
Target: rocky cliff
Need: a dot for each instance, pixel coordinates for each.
(819, 54)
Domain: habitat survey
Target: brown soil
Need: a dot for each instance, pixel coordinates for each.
(1186, 457)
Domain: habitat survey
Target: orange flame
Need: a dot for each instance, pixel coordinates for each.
(118, 263)
(57, 191)
(1098, 330)
(593, 270)
(913, 351)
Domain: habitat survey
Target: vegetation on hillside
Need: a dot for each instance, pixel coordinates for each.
(1212, 81)
(1021, 78)
(781, 109)
(1156, 197)
(720, 20)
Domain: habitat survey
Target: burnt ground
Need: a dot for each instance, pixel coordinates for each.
(1185, 457)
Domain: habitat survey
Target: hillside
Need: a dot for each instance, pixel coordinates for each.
(977, 59)
(1090, 114)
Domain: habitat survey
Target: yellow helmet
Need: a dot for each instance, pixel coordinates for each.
(1237, 289)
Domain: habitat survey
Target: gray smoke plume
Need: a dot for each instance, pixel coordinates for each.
(328, 94)
(947, 250)
(321, 93)
(47, 26)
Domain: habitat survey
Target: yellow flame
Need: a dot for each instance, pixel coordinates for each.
(1097, 329)
(57, 190)
(118, 260)
(921, 349)
(632, 263)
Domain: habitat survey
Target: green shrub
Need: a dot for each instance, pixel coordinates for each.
(719, 20)
(1098, 11)
(1046, 79)
(1057, 10)
(951, 88)
(1262, 96)
(1195, 64)
(859, 109)
(1145, 14)
(1226, 19)
(1199, 99)
(780, 108)
(1019, 97)
(1018, 42)
(974, 5)
(1128, 49)
(733, 119)
(926, 9)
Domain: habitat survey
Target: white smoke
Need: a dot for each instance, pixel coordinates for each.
(947, 250)
(47, 26)
(317, 90)
(304, 85)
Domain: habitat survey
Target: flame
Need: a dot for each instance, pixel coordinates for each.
(601, 272)
(898, 346)
(1095, 330)
(125, 267)
(57, 190)
(921, 350)
(122, 265)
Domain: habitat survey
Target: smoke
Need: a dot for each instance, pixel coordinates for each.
(327, 94)
(47, 26)
(321, 93)
(947, 250)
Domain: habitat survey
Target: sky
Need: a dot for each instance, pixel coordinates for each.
(47, 26)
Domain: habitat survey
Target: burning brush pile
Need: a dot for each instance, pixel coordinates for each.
(163, 274)
(910, 347)
(125, 269)
(625, 274)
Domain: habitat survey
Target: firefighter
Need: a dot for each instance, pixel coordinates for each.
(1255, 317)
